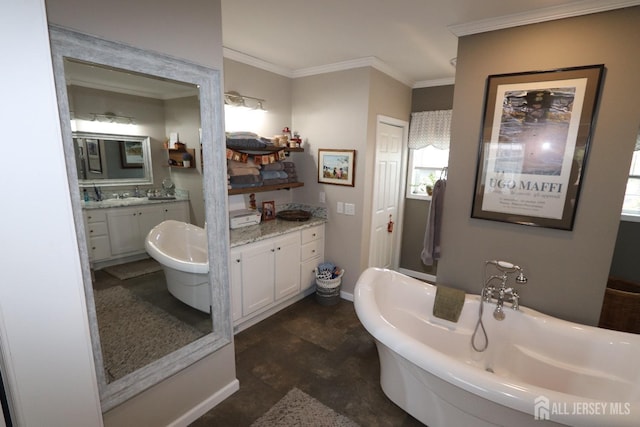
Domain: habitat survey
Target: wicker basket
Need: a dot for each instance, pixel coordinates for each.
(621, 306)
(328, 290)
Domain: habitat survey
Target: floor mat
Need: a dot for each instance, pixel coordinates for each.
(297, 408)
(133, 269)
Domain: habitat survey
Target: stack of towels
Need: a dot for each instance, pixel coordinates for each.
(278, 173)
(290, 169)
(243, 175)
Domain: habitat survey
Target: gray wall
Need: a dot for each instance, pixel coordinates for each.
(567, 269)
(339, 110)
(417, 211)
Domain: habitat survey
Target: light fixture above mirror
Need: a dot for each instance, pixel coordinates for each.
(235, 99)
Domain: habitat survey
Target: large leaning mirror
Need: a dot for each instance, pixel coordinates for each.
(118, 121)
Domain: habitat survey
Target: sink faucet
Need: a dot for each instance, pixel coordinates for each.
(502, 293)
(98, 193)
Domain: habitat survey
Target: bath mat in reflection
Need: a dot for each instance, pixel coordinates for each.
(134, 333)
(134, 269)
(297, 408)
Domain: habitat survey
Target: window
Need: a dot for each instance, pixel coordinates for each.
(631, 205)
(429, 134)
(426, 166)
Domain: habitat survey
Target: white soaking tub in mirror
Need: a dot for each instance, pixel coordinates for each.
(537, 370)
(181, 248)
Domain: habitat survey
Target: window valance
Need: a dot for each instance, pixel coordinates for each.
(430, 128)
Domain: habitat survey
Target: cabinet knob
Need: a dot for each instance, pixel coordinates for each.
(313, 235)
(238, 260)
(90, 231)
(313, 251)
(279, 248)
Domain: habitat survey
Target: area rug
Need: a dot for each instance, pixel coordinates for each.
(134, 269)
(297, 408)
(134, 333)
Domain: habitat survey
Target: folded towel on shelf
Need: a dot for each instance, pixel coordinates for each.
(250, 185)
(243, 171)
(448, 303)
(245, 179)
(277, 166)
(294, 179)
(274, 181)
(247, 143)
(249, 164)
(272, 174)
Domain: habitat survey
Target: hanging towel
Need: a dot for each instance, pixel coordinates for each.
(431, 250)
(448, 303)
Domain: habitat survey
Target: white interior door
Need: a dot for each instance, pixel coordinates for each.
(387, 190)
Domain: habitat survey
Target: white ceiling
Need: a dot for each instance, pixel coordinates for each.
(411, 40)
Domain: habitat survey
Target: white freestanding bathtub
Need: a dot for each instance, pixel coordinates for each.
(181, 248)
(537, 370)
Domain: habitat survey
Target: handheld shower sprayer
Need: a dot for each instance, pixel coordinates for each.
(507, 267)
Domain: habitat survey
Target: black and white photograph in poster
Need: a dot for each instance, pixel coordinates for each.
(534, 145)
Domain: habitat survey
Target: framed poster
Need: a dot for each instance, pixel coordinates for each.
(131, 154)
(534, 143)
(336, 166)
(93, 155)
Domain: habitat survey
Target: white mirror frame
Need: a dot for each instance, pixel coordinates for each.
(70, 44)
(119, 182)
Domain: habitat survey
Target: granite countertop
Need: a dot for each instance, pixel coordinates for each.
(264, 230)
(275, 227)
(129, 201)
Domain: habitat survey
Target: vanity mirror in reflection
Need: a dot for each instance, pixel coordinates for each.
(117, 105)
(106, 159)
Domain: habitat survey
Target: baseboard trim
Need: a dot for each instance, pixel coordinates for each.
(206, 405)
(346, 295)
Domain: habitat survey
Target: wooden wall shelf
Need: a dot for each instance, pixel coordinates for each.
(264, 188)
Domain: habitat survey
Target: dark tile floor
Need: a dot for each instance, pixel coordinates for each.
(323, 351)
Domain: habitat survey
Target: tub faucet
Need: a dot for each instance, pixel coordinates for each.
(502, 293)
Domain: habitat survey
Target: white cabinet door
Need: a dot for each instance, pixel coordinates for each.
(178, 211)
(148, 217)
(124, 231)
(235, 276)
(287, 272)
(128, 227)
(257, 276)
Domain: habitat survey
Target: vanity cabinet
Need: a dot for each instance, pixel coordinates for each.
(311, 255)
(269, 274)
(129, 227)
(97, 234)
(114, 233)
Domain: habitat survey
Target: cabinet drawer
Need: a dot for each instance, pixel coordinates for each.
(313, 233)
(99, 248)
(311, 249)
(308, 273)
(97, 229)
(96, 215)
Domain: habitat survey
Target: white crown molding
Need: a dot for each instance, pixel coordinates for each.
(369, 61)
(256, 62)
(578, 8)
(436, 82)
